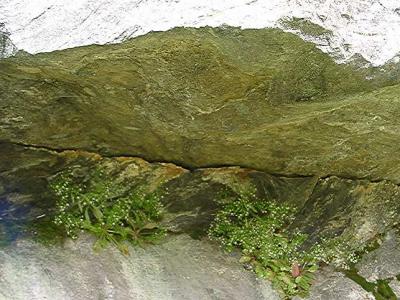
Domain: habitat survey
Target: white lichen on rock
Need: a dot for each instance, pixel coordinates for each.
(366, 27)
(7, 48)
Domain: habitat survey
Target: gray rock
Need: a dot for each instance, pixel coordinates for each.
(383, 262)
(395, 286)
(330, 285)
(179, 268)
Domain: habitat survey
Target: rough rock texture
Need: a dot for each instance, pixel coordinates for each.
(175, 269)
(395, 286)
(384, 262)
(200, 98)
(227, 109)
(366, 27)
(357, 209)
(331, 285)
(203, 98)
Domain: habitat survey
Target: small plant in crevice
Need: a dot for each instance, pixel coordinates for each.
(106, 208)
(381, 288)
(259, 228)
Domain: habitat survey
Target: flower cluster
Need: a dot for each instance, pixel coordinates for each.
(106, 208)
(259, 228)
(335, 251)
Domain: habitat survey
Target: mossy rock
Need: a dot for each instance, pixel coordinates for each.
(263, 99)
(200, 98)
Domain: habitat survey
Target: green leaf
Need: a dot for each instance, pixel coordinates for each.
(274, 266)
(100, 244)
(298, 279)
(313, 268)
(87, 217)
(80, 206)
(303, 283)
(260, 271)
(97, 213)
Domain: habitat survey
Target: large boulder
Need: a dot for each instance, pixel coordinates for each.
(262, 99)
(174, 269)
(197, 112)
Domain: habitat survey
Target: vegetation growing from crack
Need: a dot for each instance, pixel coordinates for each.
(259, 228)
(380, 289)
(106, 209)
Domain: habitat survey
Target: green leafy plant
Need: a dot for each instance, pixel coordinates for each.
(259, 228)
(106, 208)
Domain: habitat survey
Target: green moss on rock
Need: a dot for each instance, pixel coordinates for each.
(262, 99)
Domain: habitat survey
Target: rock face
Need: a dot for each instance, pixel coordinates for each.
(330, 285)
(197, 112)
(366, 27)
(355, 209)
(384, 262)
(207, 98)
(173, 270)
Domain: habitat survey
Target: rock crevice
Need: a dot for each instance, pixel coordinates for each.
(194, 168)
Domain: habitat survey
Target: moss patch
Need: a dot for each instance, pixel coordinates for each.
(262, 99)
(44, 231)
